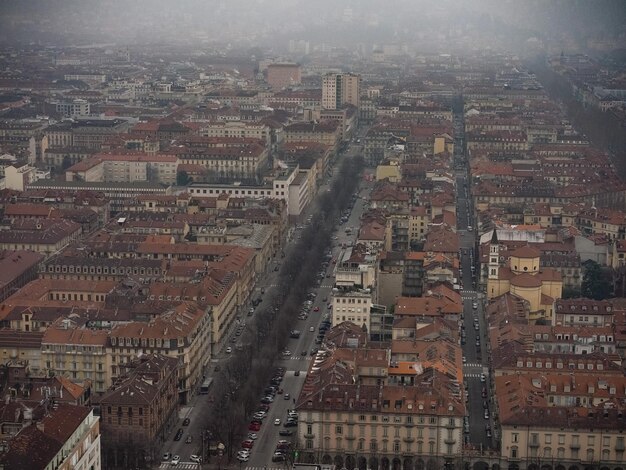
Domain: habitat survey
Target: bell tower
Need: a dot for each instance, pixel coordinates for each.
(494, 256)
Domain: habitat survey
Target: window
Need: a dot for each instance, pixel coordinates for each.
(339, 430)
(515, 437)
(514, 452)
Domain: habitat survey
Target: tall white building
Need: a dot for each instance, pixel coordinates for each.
(339, 89)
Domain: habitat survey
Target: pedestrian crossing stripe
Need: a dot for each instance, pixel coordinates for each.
(265, 468)
(473, 364)
(180, 466)
(472, 376)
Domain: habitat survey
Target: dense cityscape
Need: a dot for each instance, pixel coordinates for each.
(258, 235)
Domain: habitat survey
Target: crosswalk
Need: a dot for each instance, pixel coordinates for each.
(472, 364)
(471, 375)
(267, 468)
(324, 286)
(180, 466)
(297, 358)
(468, 297)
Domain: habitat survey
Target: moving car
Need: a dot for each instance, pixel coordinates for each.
(277, 422)
(175, 460)
(195, 458)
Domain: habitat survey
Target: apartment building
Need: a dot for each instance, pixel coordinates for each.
(282, 75)
(561, 420)
(583, 312)
(240, 129)
(236, 163)
(139, 409)
(45, 236)
(125, 168)
(84, 133)
(349, 416)
(77, 352)
(52, 435)
(325, 133)
(339, 89)
(182, 332)
(354, 306)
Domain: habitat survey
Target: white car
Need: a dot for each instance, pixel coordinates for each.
(243, 453)
(229, 350)
(243, 457)
(195, 458)
(175, 460)
(277, 422)
(287, 353)
(253, 436)
(483, 378)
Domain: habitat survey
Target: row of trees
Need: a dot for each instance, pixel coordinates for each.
(239, 385)
(602, 128)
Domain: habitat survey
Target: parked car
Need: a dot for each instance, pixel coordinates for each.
(175, 460)
(285, 432)
(195, 458)
(166, 457)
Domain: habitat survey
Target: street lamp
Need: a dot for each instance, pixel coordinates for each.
(220, 453)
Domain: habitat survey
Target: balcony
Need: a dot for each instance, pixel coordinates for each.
(533, 444)
(574, 445)
(449, 440)
(309, 436)
(408, 439)
(350, 438)
(619, 446)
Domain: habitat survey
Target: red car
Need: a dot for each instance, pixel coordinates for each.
(247, 444)
(254, 427)
(316, 309)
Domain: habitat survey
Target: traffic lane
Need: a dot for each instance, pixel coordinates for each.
(268, 436)
(477, 420)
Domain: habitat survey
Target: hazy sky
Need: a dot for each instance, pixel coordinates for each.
(272, 22)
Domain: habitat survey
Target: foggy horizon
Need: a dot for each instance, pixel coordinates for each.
(422, 25)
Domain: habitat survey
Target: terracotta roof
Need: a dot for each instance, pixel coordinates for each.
(526, 252)
(526, 280)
